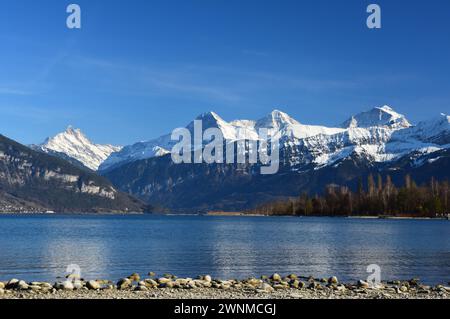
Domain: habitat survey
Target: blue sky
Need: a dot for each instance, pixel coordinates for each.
(137, 69)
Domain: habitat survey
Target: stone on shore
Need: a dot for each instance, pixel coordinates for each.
(276, 277)
(170, 284)
(22, 285)
(333, 280)
(134, 277)
(339, 288)
(403, 289)
(295, 284)
(42, 285)
(362, 284)
(2, 285)
(78, 284)
(35, 287)
(279, 286)
(73, 277)
(265, 288)
(12, 283)
(65, 285)
(151, 283)
(253, 281)
(182, 281)
(93, 284)
(191, 285)
(164, 280)
(225, 286)
(124, 283)
(141, 288)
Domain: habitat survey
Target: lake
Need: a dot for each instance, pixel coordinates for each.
(40, 247)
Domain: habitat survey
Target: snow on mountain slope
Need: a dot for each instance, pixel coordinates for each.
(378, 116)
(378, 143)
(276, 122)
(138, 151)
(435, 130)
(378, 135)
(74, 144)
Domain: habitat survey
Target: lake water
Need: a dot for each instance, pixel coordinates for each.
(40, 247)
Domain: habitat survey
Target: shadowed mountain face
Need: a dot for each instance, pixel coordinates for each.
(231, 187)
(34, 181)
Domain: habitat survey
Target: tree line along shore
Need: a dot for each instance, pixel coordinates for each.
(377, 197)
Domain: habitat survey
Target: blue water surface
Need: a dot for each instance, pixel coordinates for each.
(40, 247)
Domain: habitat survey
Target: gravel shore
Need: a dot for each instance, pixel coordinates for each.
(170, 287)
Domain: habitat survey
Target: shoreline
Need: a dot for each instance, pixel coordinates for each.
(214, 214)
(205, 287)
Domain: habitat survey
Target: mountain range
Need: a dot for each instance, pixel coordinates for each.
(376, 141)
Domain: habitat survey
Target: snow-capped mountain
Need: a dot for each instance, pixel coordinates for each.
(73, 144)
(380, 135)
(276, 122)
(311, 157)
(380, 117)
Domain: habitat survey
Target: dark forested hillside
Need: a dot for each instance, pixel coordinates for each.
(34, 181)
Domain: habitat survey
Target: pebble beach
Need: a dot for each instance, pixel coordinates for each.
(206, 287)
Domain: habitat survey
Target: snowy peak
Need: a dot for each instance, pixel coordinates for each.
(70, 135)
(209, 120)
(74, 144)
(276, 120)
(212, 120)
(444, 119)
(383, 116)
(209, 116)
(435, 130)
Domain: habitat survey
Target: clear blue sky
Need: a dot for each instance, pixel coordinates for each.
(137, 69)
